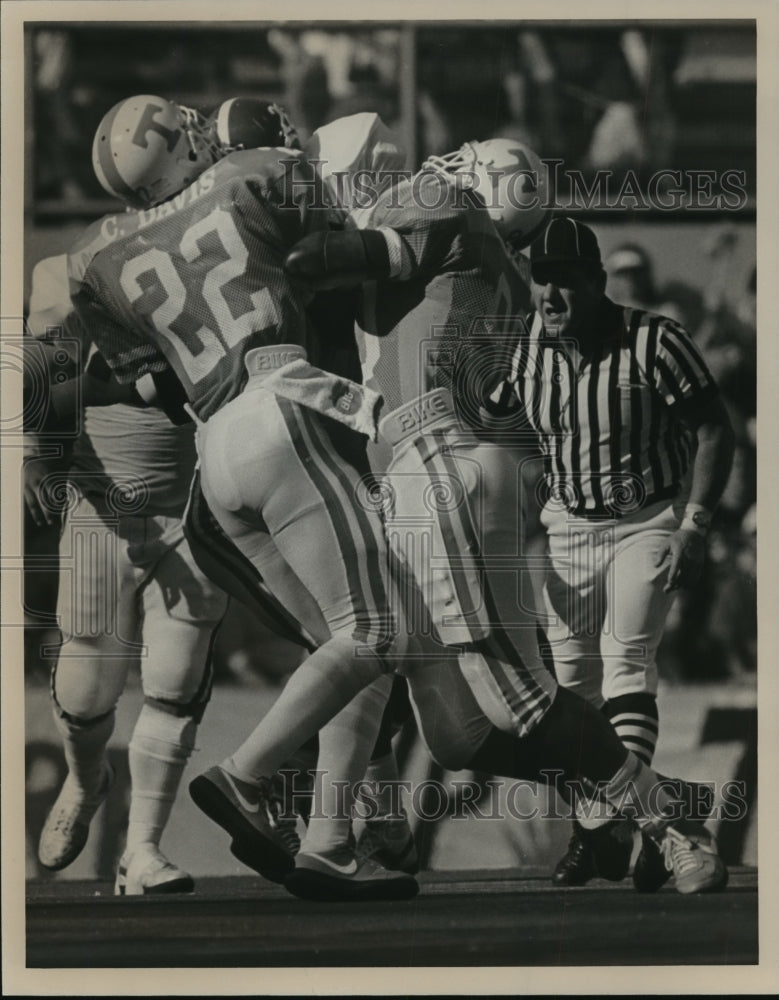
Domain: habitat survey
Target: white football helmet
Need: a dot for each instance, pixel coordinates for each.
(509, 178)
(146, 149)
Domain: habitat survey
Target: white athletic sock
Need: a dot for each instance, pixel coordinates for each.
(637, 789)
(383, 778)
(345, 746)
(317, 691)
(158, 753)
(84, 745)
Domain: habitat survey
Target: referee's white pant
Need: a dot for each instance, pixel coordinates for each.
(604, 599)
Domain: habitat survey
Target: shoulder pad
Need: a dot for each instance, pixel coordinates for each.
(356, 142)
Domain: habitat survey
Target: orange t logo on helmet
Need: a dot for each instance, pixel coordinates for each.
(149, 124)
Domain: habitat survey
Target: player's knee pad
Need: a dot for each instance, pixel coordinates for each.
(79, 713)
(179, 669)
(186, 692)
(87, 686)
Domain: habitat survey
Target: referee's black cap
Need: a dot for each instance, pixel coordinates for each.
(566, 241)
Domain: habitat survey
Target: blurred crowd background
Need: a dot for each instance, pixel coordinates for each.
(643, 96)
(596, 96)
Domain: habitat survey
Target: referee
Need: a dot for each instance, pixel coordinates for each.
(637, 450)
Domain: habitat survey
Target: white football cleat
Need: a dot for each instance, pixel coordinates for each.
(690, 852)
(147, 871)
(66, 829)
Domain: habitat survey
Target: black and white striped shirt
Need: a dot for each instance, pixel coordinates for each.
(609, 423)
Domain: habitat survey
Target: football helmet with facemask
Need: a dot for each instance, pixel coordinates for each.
(510, 180)
(147, 149)
(249, 123)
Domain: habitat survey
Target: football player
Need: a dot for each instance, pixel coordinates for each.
(251, 123)
(354, 156)
(428, 337)
(357, 148)
(132, 593)
(432, 252)
(191, 278)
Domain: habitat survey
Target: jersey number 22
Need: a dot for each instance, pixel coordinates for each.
(200, 349)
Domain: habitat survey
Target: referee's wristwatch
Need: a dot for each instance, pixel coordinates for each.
(696, 519)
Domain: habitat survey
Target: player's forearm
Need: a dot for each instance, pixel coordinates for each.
(96, 392)
(67, 400)
(88, 390)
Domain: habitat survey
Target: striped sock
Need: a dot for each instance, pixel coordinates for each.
(635, 719)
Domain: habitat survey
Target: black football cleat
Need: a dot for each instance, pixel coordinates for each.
(576, 866)
(611, 847)
(649, 871)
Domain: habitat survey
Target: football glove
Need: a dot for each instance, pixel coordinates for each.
(339, 259)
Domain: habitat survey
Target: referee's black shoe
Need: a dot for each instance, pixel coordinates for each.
(600, 853)
(576, 866)
(611, 847)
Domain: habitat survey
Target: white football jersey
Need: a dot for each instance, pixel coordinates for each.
(356, 157)
(130, 446)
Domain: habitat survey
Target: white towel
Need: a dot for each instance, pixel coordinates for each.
(352, 404)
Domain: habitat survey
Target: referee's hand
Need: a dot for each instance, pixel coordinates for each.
(684, 552)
